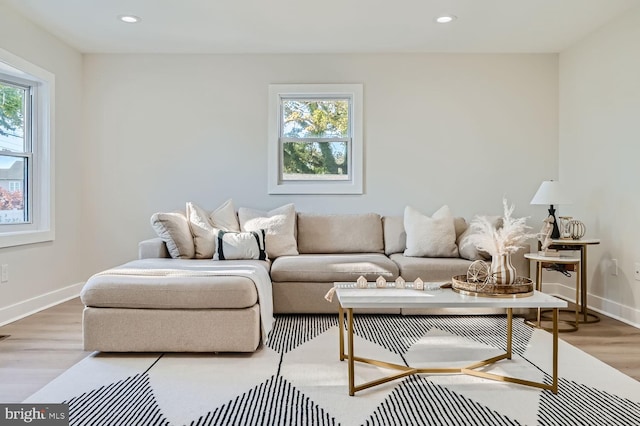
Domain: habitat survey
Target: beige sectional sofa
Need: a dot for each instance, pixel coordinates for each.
(182, 312)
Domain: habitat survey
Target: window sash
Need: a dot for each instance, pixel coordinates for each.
(27, 189)
(27, 110)
(318, 98)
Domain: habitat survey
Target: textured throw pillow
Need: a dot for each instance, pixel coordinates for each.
(174, 230)
(240, 245)
(203, 226)
(280, 227)
(430, 236)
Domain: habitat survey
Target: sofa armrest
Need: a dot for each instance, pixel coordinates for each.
(152, 248)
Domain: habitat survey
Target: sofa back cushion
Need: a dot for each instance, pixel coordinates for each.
(341, 233)
(395, 237)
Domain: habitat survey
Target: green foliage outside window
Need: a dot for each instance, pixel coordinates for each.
(11, 109)
(316, 120)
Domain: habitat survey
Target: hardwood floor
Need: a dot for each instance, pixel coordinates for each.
(39, 348)
(43, 345)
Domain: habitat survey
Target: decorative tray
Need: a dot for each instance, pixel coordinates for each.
(523, 287)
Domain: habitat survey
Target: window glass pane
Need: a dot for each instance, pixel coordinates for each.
(327, 118)
(12, 123)
(12, 193)
(315, 161)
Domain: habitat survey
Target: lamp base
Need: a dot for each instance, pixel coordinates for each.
(555, 233)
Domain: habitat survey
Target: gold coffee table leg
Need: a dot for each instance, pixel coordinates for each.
(352, 390)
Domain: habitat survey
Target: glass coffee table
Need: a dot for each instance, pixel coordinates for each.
(354, 298)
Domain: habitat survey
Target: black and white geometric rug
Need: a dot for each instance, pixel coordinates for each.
(297, 379)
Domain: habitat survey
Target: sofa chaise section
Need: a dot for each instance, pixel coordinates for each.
(173, 313)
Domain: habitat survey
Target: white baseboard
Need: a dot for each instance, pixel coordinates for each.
(36, 304)
(615, 310)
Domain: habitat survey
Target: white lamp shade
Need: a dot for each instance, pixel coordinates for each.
(550, 192)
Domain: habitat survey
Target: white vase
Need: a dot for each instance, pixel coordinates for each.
(502, 270)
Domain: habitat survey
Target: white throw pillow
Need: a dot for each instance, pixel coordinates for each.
(433, 236)
(225, 217)
(280, 225)
(240, 245)
(174, 230)
(203, 226)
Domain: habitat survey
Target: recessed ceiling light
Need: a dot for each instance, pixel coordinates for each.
(129, 19)
(445, 19)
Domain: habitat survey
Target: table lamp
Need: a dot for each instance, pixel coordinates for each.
(550, 192)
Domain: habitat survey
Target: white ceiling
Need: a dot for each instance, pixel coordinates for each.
(321, 26)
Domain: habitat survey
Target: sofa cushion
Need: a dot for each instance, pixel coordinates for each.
(430, 236)
(171, 292)
(333, 267)
(174, 230)
(279, 224)
(341, 233)
(430, 268)
(395, 237)
(203, 225)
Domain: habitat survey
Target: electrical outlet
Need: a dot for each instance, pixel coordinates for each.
(4, 274)
(614, 267)
(637, 271)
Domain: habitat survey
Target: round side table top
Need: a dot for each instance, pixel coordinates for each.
(553, 259)
(572, 242)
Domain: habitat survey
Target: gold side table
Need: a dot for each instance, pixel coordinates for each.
(540, 260)
(581, 244)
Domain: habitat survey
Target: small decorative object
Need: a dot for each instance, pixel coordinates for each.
(502, 270)
(544, 236)
(577, 229)
(521, 287)
(478, 272)
(361, 282)
(381, 282)
(400, 282)
(501, 242)
(564, 227)
(418, 284)
(432, 286)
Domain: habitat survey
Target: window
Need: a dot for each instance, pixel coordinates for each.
(26, 99)
(315, 139)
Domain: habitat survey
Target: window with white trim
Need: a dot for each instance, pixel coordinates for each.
(315, 139)
(26, 186)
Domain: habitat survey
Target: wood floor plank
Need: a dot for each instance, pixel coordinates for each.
(44, 345)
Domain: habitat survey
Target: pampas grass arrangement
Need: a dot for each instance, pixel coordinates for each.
(498, 241)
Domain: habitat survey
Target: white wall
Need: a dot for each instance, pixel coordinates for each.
(600, 156)
(457, 129)
(40, 274)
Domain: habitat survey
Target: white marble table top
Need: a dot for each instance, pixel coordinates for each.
(552, 259)
(572, 242)
(442, 298)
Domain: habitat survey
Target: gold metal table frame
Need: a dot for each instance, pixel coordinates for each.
(405, 371)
